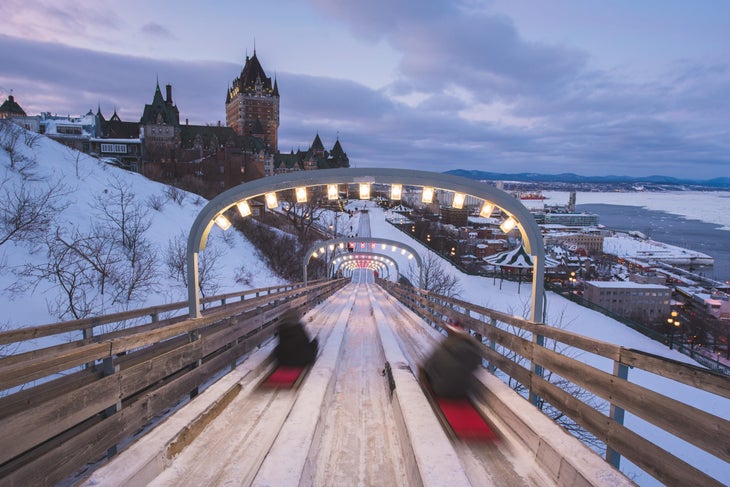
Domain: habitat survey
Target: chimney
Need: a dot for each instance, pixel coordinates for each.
(219, 123)
(186, 121)
(169, 94)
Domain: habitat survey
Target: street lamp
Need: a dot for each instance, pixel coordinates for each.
(673, 322)
(458, 202)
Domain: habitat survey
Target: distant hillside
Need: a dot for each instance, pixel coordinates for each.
(576, 179)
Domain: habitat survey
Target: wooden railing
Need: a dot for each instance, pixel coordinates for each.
(523, 351)
(69, 405)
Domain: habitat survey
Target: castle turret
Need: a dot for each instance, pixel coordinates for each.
(251, 100)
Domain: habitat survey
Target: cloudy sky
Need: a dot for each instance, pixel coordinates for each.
(584, 86)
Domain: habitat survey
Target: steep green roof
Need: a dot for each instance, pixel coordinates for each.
(159, 111)
(11, 107)
(317, 145)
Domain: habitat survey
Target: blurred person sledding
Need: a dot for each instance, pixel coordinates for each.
(448, 376)
(294, 347)
(293, 353)
(450, 368)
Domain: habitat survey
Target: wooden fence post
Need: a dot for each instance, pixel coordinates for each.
(616, 413)
(108, 367)
(492, 345)
(537, 370)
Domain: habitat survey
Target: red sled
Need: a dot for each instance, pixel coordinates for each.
(459, 416)
(285, 377)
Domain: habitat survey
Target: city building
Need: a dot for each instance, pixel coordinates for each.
(591, 242)
(630, 299)
(454, 216)
(572, 219)
(11, 109)
(117, 141)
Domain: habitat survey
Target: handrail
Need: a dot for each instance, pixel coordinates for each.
(39, 331)
(68, 405)
(507, 338)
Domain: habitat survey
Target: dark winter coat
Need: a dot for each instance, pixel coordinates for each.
(294, 347)
(451, 366)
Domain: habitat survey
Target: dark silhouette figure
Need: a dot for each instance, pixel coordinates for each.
(294, 347)
(451, 366)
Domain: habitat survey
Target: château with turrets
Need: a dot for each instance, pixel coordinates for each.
(206, 159)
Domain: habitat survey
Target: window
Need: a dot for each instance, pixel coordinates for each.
(115, 148)
(68, 130)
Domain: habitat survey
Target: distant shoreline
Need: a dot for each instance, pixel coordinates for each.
(671, 229)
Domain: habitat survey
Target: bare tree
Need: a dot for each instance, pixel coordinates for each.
(26, 212)
(208, 271)
(71, 274)
(112, 264)
(31, 139)
(12, 139)
(119, 208)
(156, 202)
(98, 251)
(175, 194)
(125, 220)
(140, 275)
(303, 216)
(175, 259)
(282, 251)
(75, 156)
(435, 278)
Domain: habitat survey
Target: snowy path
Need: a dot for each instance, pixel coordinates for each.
(359, 443)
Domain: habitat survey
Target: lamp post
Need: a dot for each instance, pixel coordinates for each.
(673, 322)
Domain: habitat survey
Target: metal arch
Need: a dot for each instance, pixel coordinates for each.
(376, 240)
(527, 226)
(380, 266)
(347, 257)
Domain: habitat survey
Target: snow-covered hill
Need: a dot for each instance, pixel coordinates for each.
(57, 204)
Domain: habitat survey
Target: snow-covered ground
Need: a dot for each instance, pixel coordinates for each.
(26, 304)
